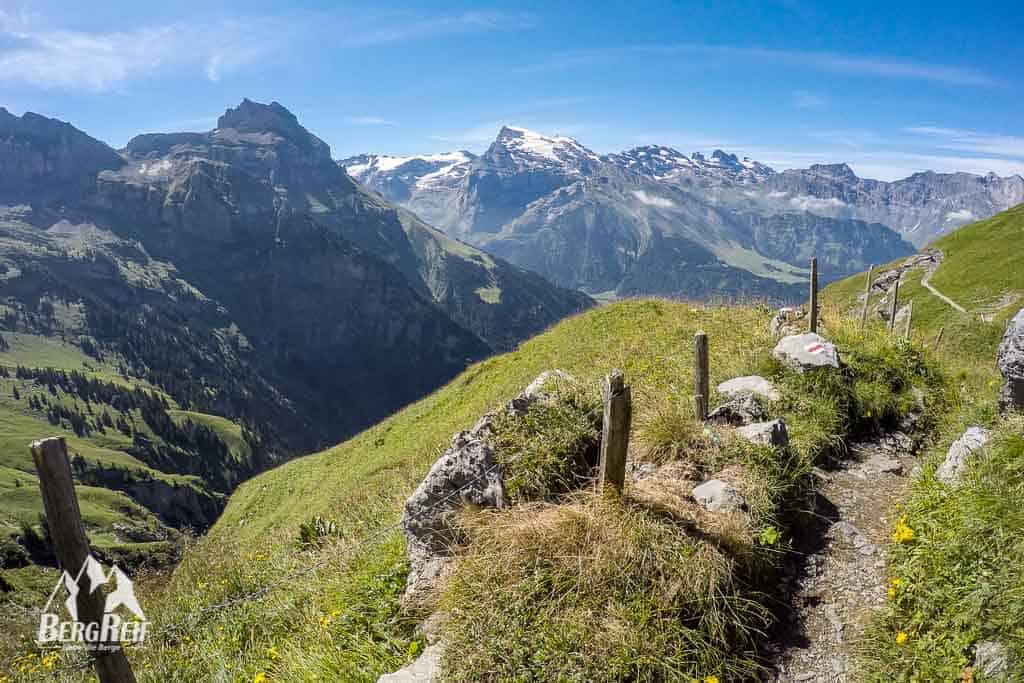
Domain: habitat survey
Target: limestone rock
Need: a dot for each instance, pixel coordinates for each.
(991, 658)
(742, 410)
(1010, 361)
(772, 433)
(426, 668)
(953, 467)
(716, 495)
(753, 384)
(805, 352)
(466, 473)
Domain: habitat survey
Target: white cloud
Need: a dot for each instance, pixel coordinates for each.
(102, 61)
(972, 140)
(961, 216)
(653, 200)
(808, 203)
(401, 27)
(369, 121)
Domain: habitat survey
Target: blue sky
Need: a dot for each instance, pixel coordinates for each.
(891, 88)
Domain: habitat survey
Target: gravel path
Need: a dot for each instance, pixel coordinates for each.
(842, 579)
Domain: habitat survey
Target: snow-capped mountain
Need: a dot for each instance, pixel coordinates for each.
(665, 163)
(597, 222)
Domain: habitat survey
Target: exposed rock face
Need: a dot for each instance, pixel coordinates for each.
(44, 160)
(772, 433)
(753, 384)
(466, 473)
(958, 456)
(716, 495)
(806, 352)
(1010, 362)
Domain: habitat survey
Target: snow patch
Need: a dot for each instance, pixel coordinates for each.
(156, 168)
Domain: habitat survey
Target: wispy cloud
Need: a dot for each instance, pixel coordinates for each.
(809, 100)
(833, 62)
(971, 140)
(401, 26)
(369, 121)
(101, 61)
(32, 52)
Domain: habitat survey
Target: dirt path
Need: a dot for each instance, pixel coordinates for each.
(926, 282)
(842, 578)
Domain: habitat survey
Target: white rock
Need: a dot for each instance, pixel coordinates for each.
(772, 433)
(752, 384)
(803, 352)
(716, 495)
(1010, 361)
(426, 668)
(955, 464)
(991, 658)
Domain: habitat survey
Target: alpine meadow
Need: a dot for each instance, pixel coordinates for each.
(511, 342)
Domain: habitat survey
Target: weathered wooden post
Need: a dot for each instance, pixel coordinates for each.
(895, 305)
(910, 314)
(814, 294)
(867, 298)
(618, 417)
(72, 548)
(701, 382)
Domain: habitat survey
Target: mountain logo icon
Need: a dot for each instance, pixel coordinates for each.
(113, 628)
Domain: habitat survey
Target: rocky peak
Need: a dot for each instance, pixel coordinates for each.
(255, 118)
(836, 171)
(524, 149)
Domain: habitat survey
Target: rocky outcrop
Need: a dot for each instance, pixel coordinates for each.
(806, 352)
(466, 473)
(426, 668)
(959, 454)
(744, 409)
(716, 495)
(787, 321)
(752, 384)
(773, 433)
(992, 659)
(1010, 361)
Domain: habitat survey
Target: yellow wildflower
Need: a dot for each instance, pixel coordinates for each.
(891, 593)
(259, 677)
(902, 532)
(901, 637)
(711, 679)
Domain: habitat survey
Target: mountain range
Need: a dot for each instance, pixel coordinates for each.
(652, 220)
(235, 274)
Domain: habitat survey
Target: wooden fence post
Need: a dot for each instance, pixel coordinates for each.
(814, 294)
(618, 416)
(910, 314)
(72, 547)
(867, 298)
(895, 305)
(701, 382)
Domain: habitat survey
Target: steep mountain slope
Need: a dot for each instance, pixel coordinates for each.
(921, 207)
(243, 275)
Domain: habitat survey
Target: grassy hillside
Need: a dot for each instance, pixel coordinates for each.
(958, 582)
(332, 610)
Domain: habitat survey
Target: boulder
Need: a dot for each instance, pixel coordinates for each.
(426, 668)
(716, 495)
(742, 410)
(750, 385)
(1010, 361)
(806, 352)
(465, 474)
(787, 321)
(772, 433)
(991, 658)
(953, 467)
